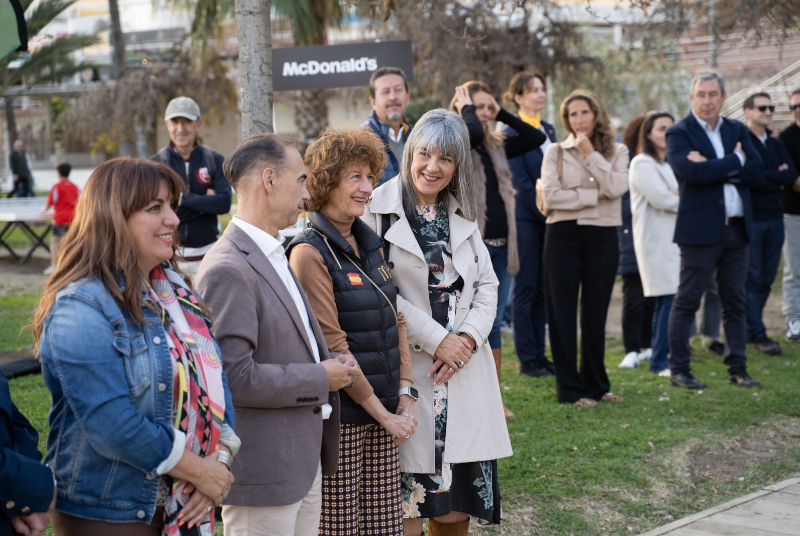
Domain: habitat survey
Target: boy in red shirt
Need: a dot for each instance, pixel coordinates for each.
(63, 197)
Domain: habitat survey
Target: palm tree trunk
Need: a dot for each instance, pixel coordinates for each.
(117, 39)
(310, 113)
(255, 65)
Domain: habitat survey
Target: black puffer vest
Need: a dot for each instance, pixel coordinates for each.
(364, 314)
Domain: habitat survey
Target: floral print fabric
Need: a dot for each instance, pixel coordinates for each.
(465, 487)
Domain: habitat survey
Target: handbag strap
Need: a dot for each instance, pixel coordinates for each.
(346, 256)
(560, 164)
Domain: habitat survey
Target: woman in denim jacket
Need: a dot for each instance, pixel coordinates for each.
(141, 415)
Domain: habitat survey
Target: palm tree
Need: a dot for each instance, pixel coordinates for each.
(310, 20)
(49, 63)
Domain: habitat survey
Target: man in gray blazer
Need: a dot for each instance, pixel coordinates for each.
(284, 383)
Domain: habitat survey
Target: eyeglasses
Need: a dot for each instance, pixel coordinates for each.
(770, 107)
(794, 107)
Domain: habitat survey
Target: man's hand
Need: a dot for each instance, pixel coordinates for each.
(211, 191)
(783, 167)
(36, 523)
(738, 150)
(342, 372)
(696, 157)
(796, 185)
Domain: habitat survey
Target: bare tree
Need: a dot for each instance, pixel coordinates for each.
(255, 65)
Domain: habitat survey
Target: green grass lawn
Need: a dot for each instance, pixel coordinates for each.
(621, 468)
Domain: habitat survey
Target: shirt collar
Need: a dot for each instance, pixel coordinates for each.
(265, 241)
(706, 126)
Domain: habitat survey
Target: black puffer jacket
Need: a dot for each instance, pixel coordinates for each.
(364, 313)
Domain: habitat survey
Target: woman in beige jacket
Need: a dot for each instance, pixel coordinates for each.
(447, 291)
(582, 180)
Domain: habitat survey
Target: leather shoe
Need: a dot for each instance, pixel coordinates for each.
(767, 346)
(742, 379)
(716, 347)
(533, 370)
(685, 380)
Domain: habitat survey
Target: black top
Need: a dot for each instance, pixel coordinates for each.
(790, 137)
(527, 139)
(364, 313)
(766, 195)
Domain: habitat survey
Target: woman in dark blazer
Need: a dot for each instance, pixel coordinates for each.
(528, 91)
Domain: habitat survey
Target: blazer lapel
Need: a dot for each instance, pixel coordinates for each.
(728, 139)
(388, 200)
(259, 262)
(700, 133)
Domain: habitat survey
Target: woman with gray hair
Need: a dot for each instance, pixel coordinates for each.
(447, 291)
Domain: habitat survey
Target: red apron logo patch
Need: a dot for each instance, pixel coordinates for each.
(355, 279)
(203, 177)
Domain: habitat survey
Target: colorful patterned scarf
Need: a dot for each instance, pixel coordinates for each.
(199, 395)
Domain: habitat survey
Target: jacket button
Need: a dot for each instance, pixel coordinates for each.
(140, 514)
(474, 284)
(476, 258)
(591, 179)
(317, 410)
(162, 387)
(417, 347)
(26, 510)
(626, 231)
(157, 340)
(10, 505)
(390, 265)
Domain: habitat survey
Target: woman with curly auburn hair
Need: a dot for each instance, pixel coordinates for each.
(583, 178)
(339, 262)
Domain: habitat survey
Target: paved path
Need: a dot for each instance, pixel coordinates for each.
(771, 511)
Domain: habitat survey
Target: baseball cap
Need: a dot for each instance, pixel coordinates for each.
(182, 107)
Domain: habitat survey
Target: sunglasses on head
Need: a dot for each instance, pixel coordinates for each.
(765, 107)
(794, 107)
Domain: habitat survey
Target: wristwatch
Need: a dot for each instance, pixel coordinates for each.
(410, 391)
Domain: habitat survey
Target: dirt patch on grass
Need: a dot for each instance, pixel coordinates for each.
(731, 460)
(16, 278)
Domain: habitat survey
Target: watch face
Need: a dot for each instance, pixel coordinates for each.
(413, 392)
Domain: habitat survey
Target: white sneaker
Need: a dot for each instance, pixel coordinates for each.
(630, 360)
(665, 373)
(645, 355)
(793, 329)
(49, 270)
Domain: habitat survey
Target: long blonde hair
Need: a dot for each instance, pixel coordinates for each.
(99, 244)
(603, 136)
(492, 139)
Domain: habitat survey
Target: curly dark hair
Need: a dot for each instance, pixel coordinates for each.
(327, 157)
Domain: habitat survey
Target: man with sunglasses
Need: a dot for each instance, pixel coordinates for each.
(766, 239)
(790, 137)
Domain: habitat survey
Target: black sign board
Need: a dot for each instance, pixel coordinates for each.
(330, 66)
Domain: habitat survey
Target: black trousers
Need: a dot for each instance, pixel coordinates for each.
(637, 314)
(529, 308)
(579, 258)
(730, 259)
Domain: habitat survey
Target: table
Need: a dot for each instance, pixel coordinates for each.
(18, 214)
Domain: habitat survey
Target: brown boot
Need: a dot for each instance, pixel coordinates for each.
(498, 359)
(448, 529)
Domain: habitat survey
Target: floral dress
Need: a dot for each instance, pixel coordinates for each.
(472, 487)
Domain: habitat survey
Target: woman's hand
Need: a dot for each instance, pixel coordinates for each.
(197, 509)
(462, 98)
(494, 109)
(211, 477)
(452, 354)
(401, 427)
(583, 144)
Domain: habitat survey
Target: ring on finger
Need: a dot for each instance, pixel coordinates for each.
(209, 508)
(460, 363)
(451, 369)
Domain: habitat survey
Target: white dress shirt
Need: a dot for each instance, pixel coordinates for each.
(273, 250)
(733, 201)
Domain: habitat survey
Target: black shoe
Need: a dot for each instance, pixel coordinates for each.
(685, 380)
(547, 365)
(767, 346)
(533, 370)
(716, 347)
(742, 379)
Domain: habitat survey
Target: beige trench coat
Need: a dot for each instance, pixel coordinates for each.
(476, 427)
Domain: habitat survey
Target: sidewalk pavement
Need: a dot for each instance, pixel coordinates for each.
(44, 179)
(771, 511)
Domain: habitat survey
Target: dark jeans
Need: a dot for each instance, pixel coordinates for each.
(765, 254)
(729, 258)
(579, 258)
(529, 308)
(712, 312)
(499, 257)
(662, 306)
(22, 188)
(637, 314)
